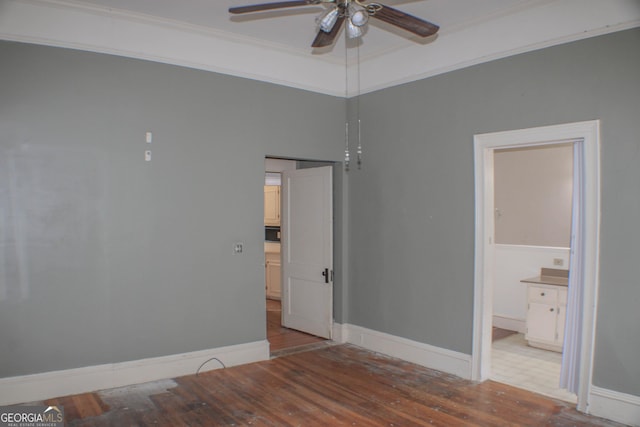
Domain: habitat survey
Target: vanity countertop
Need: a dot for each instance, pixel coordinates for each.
(550, 276)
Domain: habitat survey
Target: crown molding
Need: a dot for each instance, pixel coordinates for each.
(73, 25)
(524, 27)
(520, 30)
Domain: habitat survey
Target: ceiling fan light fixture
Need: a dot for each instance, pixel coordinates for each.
(353, 31)
(328, 20)
(358, 16)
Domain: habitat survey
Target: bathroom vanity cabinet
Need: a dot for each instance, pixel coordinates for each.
(546, 309)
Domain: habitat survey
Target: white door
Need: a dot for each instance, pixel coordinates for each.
(307, 250)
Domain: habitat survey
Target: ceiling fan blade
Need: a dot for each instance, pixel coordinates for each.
(269, 6)
(326, 39)
(405, 21)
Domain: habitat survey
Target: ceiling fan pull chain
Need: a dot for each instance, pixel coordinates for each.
(359, 148)
(347, 155)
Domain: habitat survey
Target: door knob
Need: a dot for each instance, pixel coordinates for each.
(325, 273)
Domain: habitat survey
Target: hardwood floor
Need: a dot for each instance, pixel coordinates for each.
(340, 385)
(281, 338)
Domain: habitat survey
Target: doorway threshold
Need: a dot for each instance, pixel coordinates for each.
(301, 348)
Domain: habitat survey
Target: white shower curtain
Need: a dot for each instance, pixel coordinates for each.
(570, 370)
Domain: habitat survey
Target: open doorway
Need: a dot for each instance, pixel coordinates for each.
(533, 194)
(285, 226)
(579, 337)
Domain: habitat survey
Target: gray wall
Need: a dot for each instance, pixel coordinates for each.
(412, 206)
(105, 258)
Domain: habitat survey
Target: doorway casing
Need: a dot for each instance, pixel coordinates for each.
(588, 134)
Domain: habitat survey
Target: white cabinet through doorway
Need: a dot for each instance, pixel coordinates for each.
(546, 316)
(272, 205)
(273, 275)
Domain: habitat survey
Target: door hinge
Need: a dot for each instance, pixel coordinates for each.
(331, 276)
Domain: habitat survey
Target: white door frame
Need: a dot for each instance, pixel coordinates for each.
(484, 145)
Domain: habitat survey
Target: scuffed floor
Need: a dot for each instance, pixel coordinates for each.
(341, 385)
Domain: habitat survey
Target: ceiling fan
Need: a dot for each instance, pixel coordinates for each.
(356, 13)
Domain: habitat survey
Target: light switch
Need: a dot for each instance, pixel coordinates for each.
(149, 137)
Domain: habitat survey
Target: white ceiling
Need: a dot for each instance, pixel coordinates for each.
(295, 28)
(275, 46)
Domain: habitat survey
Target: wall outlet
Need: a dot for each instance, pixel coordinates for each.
(238, 247)
(558, 262)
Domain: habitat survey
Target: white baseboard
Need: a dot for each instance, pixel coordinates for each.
(36, 387)
(339, 333)
(615, 406)
(510, 324)
(441, 359)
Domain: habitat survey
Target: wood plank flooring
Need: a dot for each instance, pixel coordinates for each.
(282, 338)
(340, 385)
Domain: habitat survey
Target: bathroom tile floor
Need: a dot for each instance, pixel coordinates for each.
(513, 362)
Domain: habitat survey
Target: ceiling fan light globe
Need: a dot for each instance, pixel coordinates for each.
(329, 20)
(359, 18)
(353, 31)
